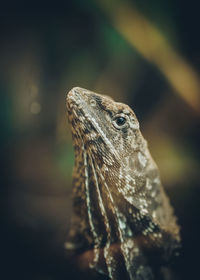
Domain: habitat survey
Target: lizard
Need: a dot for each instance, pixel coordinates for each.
(121, 213)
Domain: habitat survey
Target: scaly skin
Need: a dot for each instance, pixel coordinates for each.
(121, 212)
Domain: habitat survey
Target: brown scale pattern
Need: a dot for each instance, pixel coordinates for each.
(122, 215)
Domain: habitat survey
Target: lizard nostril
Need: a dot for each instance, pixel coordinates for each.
(93, 102)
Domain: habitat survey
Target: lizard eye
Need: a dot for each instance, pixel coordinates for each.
(120, 121)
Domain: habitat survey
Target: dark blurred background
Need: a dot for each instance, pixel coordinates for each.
(144, 53)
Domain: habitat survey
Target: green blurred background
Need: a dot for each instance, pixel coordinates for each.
(144, 53)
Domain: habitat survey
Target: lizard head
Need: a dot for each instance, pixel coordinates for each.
(107, 128)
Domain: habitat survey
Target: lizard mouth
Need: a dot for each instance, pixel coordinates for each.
(77, 104)
(73, 99)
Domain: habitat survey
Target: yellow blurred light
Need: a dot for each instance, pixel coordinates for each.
(149, 41)
(35, 108)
